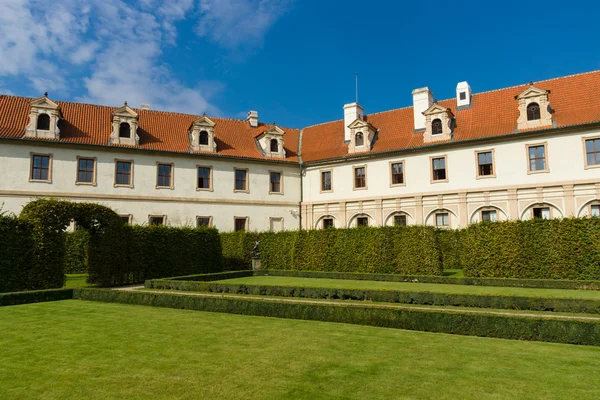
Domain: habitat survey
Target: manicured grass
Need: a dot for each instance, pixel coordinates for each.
(410, 286)
(75, 349)
(76, 280)
(454, 273)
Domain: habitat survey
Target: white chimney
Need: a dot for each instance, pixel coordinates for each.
(352, 112)
(252, 118)
(422, 100)
(463, 95)
(145, 106)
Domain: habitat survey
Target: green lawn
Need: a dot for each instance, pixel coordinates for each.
(409, 286)
(76, 280)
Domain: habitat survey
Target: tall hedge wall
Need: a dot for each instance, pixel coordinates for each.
(76, 245)
(450, 244)
(138, 253)
(237, 250)
(541, 249)
(16, 244)
(391, 250)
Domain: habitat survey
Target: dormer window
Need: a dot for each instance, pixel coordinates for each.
(274, 146)
(270, 142)
(533, 112)
(203, 138)
(436, 127)
(43, 122)
(202, 135)
(360, 140)
(43, 119)
(124, 127)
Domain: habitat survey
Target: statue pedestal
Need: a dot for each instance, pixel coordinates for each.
(256, 264)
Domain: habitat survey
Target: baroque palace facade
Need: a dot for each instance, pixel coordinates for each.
(516, 153)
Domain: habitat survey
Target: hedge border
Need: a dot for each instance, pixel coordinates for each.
(215, 276)
(35, 296)
(485, 325)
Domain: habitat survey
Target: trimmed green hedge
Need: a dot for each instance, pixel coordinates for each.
(217, 276)
(450, 244)
(76, 246)
(146, 252)
(587, 306)
(237, 249)
(16, 253)
(566, 248)
(35, 296)
(391, 250)
(473, 324)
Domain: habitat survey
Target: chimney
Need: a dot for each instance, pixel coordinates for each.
(145, 106)
(422, 100)
(463, 95)
(252, 118)
(352, 112)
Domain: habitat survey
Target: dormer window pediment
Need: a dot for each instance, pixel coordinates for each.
(202, 135)
(534, 108)
(438, 123)
(44, 115)
(271, 142)
(124, 127)
(362, 136)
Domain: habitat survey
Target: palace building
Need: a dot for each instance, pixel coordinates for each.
(515, 153)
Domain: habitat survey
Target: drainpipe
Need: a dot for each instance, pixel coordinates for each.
(301, 179)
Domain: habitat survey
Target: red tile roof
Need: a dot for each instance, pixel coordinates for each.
(158, 130)
(575, 100)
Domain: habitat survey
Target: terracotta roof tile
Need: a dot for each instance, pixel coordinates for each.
(575, 100)
(158, 130)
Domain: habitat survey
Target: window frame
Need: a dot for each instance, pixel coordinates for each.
(246, 224)
(590, 209)
(164, 217)
(271, 146)
(120, 126)
(488, 211)
(280, 181)
(130, 185)
(391, 169)
(546, 158)
(585, 158)
(271, 219)
(37, 122)
(93, 182)
(354, 168)
(362, 138)
(210, 220)
(323, 222)
(431, 174)
(247, 189)
(50, 161)
(321, 171)
(477, 169)
(539, 111)
(441, 127)
(399, 215)
(200, 138)
(550, 215)
(210, 178)
(447, 213)
(356, 224)
(128, 216)
(172, 175)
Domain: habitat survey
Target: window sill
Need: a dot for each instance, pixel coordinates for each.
(439, 181)
(240, 191)
(164, 187)
(204, 189)
(122, 185)
(279, 193)
(40, 181)
(85, 183)
(544, 171)
(592, 166)
(397, 184)
(485, 176)
(360, 188)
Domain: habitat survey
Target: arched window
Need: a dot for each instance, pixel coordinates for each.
(274, 146)
(359, 140)
(204, 137)
(124, 130)
(533, 112)
(436, 127)
(43, 122)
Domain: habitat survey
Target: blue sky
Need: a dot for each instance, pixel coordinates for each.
(293, 61)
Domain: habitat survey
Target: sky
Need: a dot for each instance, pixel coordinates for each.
(294, 61)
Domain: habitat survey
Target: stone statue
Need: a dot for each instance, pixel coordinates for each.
(255, 250)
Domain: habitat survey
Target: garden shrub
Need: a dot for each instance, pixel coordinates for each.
(35, 296)
(450, 245)
(585, 332)
(76, 247)
(237, 249)
(16, 253)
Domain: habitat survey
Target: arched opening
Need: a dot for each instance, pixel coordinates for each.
(533, 112)
(204, 138)
(274, 146)
(359, 140)
(43, 122)
(325, 222)
(124, 130)
(436, 127)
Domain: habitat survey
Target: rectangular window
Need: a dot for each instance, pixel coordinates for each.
(275, 182)
(541, 212)
(126, 219)
(164, 177)
(327, 223)
(485, 164)
(398, 173)
(488, 215)
(439, 168)
(202, 221)
(362, 221)
(537, 158)
(241, 180)
(399, 220)
(276, 224)
(592, 150)
(85, 170)
(595, 210)
(240, 224)
(123, 173)
(360, 178)
(40, 167)
(326, 181)
(203, 178)
(156, 220)
(442, 219)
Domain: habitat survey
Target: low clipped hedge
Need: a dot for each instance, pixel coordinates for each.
(389, 250)
(588, 306)
(583, 332)
(35, 296)
(566, 248)
(76, 245)
(217, 276)
(139, 253)
(16, 253)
